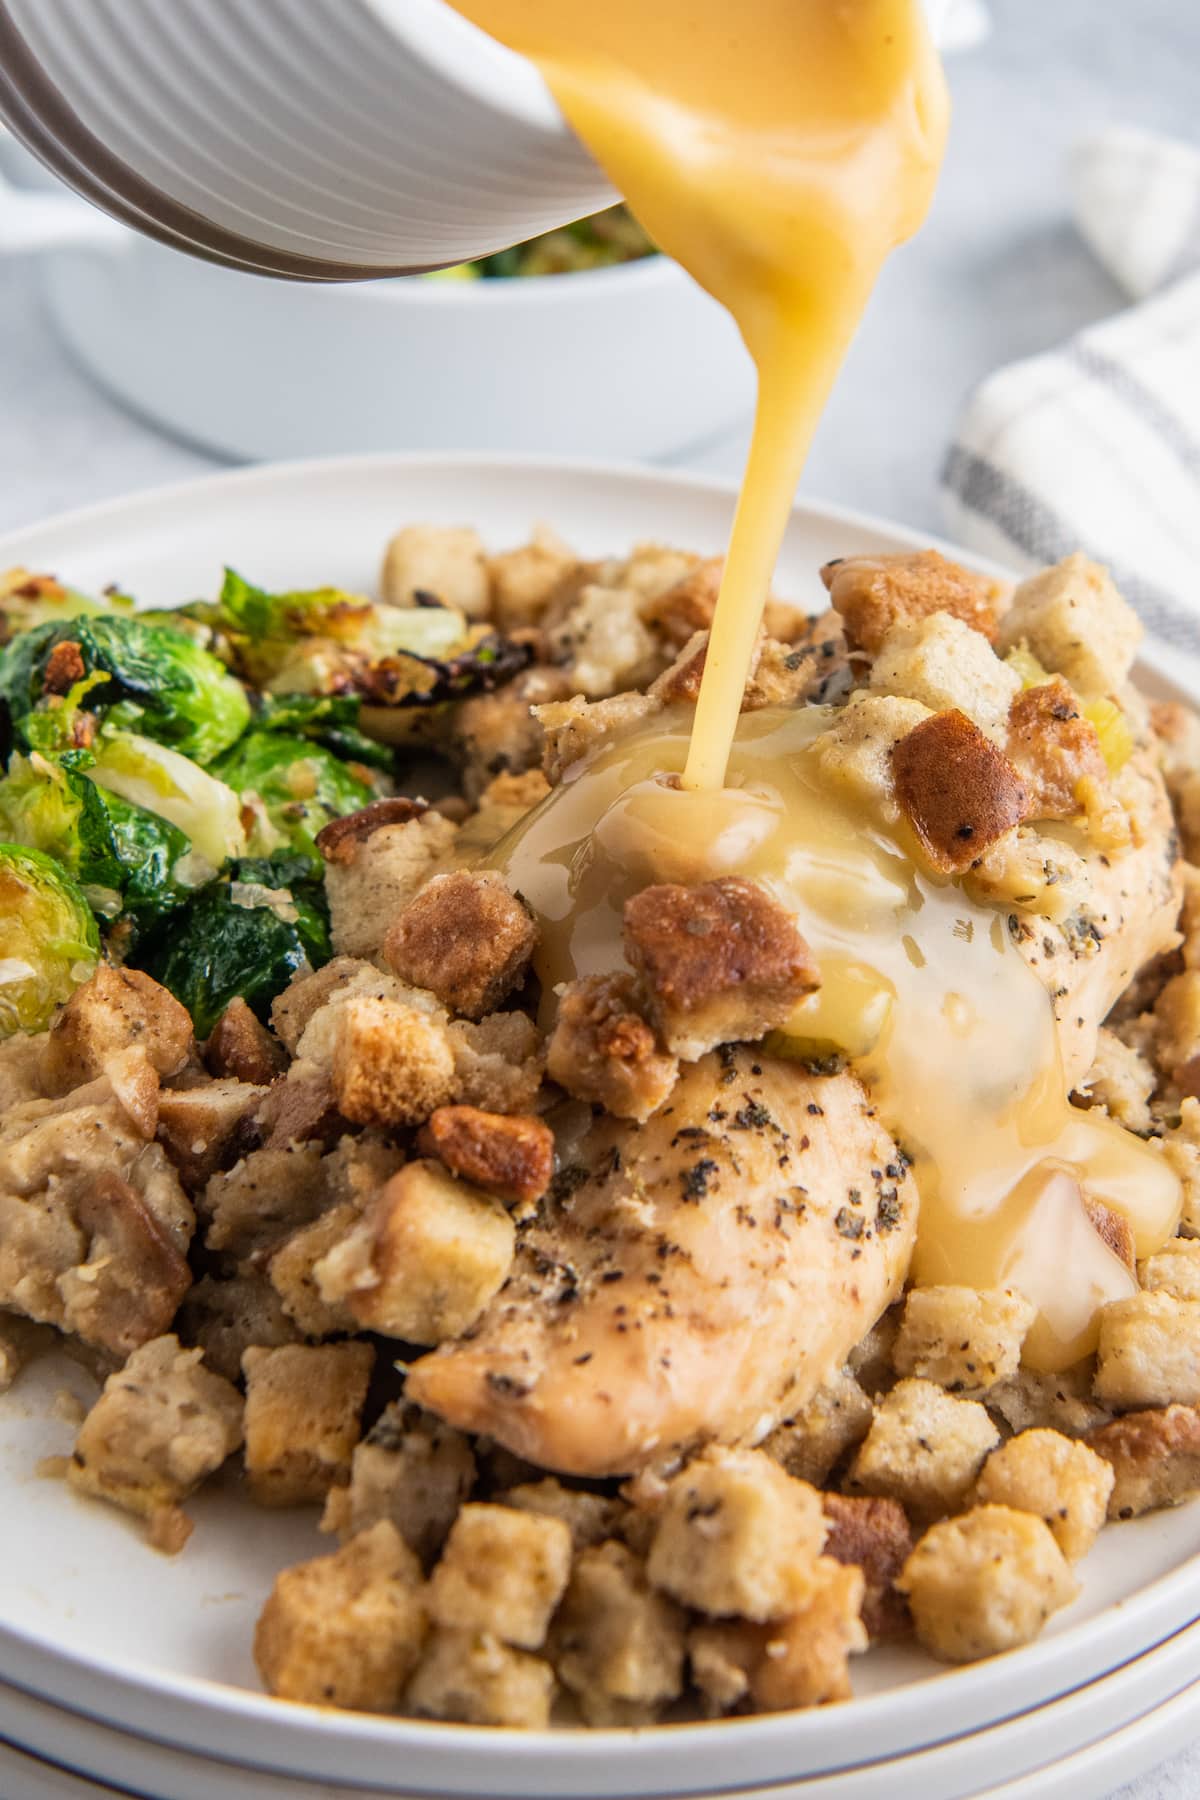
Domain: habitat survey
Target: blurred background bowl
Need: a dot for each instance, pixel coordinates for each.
(627, 361)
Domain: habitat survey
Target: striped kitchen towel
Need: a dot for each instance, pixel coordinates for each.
(1096, 445)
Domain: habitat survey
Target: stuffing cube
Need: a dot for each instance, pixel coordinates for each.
(472, 1679)
(1149, 1351)
(1174, 1270)
(796, 1662)
(424, 1261)
(589, 1517)
(465, 938)
(502, 1572)
(262, 1198)
(224, 1318)
(1058, 1479)
(943, 663)
(240, 1048)
(345, 1630)
(371, 874)
(1076, 623)
(719, 963)
(291, 1273)
(497, 1063)
(442, 563)
(161, 1424)
(1061, 1402)
(574, 728)
(875, 1536)
(615, 1638)
(1122, 1081)
(412, 1469)
(203, 1128)
(1177, 1027)
(1054, 749)
(984, 1583)
(113, 1011)
(855, 754)
(303, 1407)
(958, 792)
(811, 1442)
(737, 1536)
(875, 594)
(603, 1051)
(1155, 1459)
(964, 1339)
(1181, 1147)
(392, 1063)
(924, 1449)
(512, 1158)
(602, 643)
(526, 580)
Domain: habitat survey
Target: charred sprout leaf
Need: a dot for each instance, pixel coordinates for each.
(328, 719)
(292, 788)
(243, 936)
(27, 600)
(48, 939)
(161, 781)
(156, 681)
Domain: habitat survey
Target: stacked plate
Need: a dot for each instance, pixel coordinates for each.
(123, 1667)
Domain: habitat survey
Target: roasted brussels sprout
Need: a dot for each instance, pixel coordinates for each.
(49, 943)
(247, 936)
(156, 682)
(161, 781)
(328, 719)
(27, 600)
(292, 788)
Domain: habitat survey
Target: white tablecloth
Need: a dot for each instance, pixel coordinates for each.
(998, 274)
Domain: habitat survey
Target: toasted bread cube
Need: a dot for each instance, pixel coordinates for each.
(1028, 872)
(1149, 1351)
(161, 1424)
(602, 643)
(1076, 623)
(943, 663)
(602, 1050)
(615, 1638)
(965, 1339)
(392, 1063)
(424, 1261)
(875, 594)
(924, 1449)
(1122, 1081)
(873, 1534)
(473, 1679)
(345, 1630)
(376, 873)
(738, 1536)
(574, 728)
(1061, 1402)
(114, 1010)
(291, 1273)
(590, 1518)
(1058, 1478)
(240, 1048)
(1155, 1458)
(262, 1198)
(526, 580)
(307, 994)
(512, 1158)
(497, 1063)
(855, 754)
(1174, 1270)
(1054, 749)
(813, 1440)
(202, 1128)
(412, 1469)
(446, 563)
(984, 1583)
(959, 793)
(303, 1407)
(796, 1662)
(465, 938)
(502, 1572)
(1181, 1147)
(719, 963)
(224, 1318)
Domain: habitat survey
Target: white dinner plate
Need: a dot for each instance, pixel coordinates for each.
(93, 1620)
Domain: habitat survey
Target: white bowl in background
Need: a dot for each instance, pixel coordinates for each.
(93, 1623)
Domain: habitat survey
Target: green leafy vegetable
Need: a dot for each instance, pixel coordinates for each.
(293, 788)
(27, 600)
(328, 719)
(161, 781)
(156, 681)
(246, 936)
(48, 939)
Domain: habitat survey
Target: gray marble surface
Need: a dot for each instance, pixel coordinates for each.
(997, 274)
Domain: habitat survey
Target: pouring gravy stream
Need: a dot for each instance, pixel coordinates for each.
(780, 151)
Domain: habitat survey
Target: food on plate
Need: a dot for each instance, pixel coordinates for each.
(599, 242)
(629, 1225)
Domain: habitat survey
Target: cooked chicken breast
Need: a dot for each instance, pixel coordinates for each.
(708, 1269)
